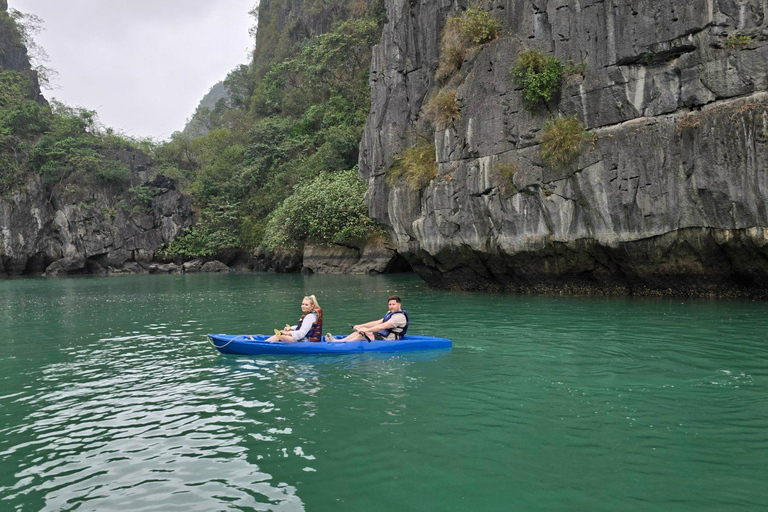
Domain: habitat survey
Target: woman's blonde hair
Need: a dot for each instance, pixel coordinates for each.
(313, 300)
(315, 308)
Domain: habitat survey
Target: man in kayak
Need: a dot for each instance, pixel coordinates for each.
(391, 327)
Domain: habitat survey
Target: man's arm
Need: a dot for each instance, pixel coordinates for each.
(398, 320)
(368, 325)
(376, 326)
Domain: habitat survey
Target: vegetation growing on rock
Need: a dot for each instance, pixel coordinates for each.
(52, 140)
(214, 234)
(737, 41)
(463, 31)
(562, 140)
(416, 165)
(284, 125)
(442, 109)
(539, 75)
(506, 173)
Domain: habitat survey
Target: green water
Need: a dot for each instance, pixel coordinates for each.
(111, 399)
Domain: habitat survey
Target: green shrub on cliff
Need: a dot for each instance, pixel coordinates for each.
(562, 140)
(463, 31)
(506, 175)
(539, 75)
(737, 41)
(327, 210)
(74, 145)
(442, 109)
(53, 140)
(417, 165)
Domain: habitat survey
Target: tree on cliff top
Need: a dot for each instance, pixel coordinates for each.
(38, 138)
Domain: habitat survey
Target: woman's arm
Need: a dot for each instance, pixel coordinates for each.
(304, 328)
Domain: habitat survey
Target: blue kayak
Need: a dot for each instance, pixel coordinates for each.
(243, 344)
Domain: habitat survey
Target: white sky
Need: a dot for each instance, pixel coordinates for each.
(143, 65)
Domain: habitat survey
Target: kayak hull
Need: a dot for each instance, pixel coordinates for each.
(243, 344)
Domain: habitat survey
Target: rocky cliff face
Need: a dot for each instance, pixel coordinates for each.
(671, 193)
(90, 229)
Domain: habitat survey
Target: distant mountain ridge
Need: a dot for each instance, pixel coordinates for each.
(198, 125)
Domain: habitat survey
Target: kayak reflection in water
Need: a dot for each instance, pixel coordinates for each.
(391, 327)
(308, 328)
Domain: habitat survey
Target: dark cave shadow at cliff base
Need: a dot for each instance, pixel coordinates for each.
(733, 286)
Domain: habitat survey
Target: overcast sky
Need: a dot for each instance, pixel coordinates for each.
(143, 65)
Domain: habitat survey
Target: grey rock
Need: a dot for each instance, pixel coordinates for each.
(319, 259)
(130, 267)
(277, 261)
(41, 225)
(165, 268)
(674, 179)
(214, 266)
(192, 266)
(374, 258)
(66, 266)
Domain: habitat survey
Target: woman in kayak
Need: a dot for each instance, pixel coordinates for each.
(309, 326)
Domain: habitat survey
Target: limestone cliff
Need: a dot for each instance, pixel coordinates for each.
(671, 193)
(76, 229)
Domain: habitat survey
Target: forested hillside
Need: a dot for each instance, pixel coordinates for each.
(276, 166)
(273, 168)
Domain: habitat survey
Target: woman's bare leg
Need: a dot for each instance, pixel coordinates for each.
(283, 337)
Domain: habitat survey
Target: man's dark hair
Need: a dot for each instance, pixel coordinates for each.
(395, 298)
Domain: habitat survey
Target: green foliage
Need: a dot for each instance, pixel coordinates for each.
(141, 197)
(562, 140)
(21, 121)
(215, 233)
(327, 210)
(240, 84)
(417, 165)
(281, 28)
(539, 75)
(442, 109)
(53, 140)
(735, 41)
(333, 64)
(72, 145)
(462, 31)
(304, 119)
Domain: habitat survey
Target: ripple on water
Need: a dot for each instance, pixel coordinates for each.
(542, 404)
(137, 423)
